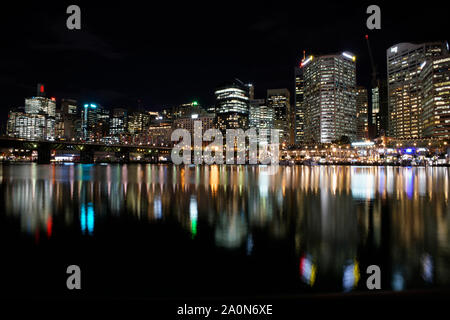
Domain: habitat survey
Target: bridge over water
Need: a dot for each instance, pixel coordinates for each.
(86, 150)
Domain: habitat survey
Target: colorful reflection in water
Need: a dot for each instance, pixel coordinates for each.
(328, 222)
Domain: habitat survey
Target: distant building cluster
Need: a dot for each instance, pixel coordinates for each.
(412, 103)
(328, 106)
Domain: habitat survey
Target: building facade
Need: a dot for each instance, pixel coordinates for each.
(89, 121)
(435, 100)
(330, 97)
(28, 126)
(232, 106)
(404, 87)
(279, 101)
(362, 115)
(261, 118)
(299, 107)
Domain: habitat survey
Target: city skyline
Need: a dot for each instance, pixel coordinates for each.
(267, 47)
(328, 104)
(225, 159)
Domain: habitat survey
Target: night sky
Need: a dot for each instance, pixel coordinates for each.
(175, 53)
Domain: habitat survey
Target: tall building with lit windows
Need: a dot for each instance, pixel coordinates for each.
(118, 122)
(88, 121)
(261, 118)
(435, 100)
(404, 88)
(28, 126)
(43, 106)
(299, 121)
(379, 114)
(137, 122)
(232, 106)
(279, 101)
(362, 117)
(329, 97)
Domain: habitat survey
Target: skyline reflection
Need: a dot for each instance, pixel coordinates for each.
(334, 220)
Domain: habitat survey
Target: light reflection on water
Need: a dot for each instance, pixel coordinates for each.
(338, 219)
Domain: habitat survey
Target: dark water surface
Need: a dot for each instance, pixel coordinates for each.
(168, 231)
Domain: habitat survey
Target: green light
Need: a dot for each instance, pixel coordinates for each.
(194, 103)
(193, 227)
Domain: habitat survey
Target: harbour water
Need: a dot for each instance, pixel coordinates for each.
(143, 230)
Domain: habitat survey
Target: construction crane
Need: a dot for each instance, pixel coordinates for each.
(374, 68)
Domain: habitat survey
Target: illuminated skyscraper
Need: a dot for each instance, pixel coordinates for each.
(299, 107)
(232, 106)
(118, 122)
(279, 101)
(261, 117)
(43, 106)
(29, 126)
(378, 117)
(362, 117)
(136, 122)
(330, 97)
(89, 120)
(404, 89)
(435, 100)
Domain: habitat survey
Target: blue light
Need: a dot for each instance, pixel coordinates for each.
(87, 217)
(398, 282)
(409, 150)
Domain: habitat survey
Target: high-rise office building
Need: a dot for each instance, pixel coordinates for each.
(44, 106)
(137, 122)
(330, 97)
(185, 110)
(232, 106)
(404, 88)
(41, 104)
(89, 121)
(69, 114)
(59, 125)
(299, 107)
(362, 116)
(29, 126)
(188, 123)
(375, 118)
(261, 117)
(279, 101)
(118, 123)
(435, 100)
(378, 118)
(251, 91)
(101, 129)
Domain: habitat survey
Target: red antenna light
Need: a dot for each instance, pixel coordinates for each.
(367, 36)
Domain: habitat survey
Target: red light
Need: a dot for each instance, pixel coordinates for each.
(49, 227)
(42, 88)
(367, 36)
(302, 265)
(53, 99)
